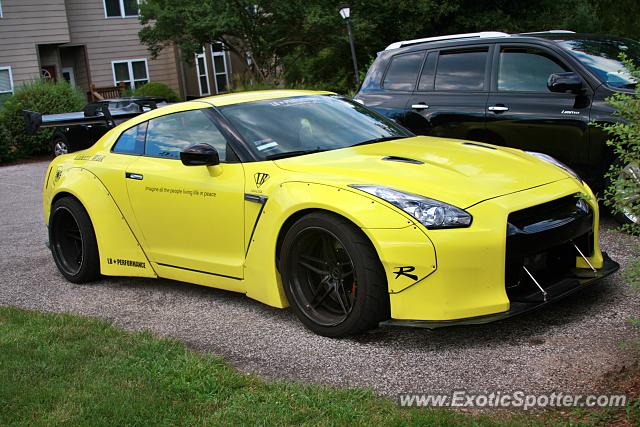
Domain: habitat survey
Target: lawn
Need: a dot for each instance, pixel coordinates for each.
(62, 369)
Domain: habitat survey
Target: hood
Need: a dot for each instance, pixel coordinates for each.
(461, 173)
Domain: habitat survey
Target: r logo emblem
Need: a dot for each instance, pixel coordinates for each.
(404, 271)
(260, 178)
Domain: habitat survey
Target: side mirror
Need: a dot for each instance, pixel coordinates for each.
(200, 155)
(565, 82)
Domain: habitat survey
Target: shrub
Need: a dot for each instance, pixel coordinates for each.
(43, 96)
(157, 89)
(622, 194)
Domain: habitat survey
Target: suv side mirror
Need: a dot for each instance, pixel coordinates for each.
(565, 82)
(200, 155)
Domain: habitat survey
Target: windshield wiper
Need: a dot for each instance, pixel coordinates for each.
(381, 139)
(292, 154)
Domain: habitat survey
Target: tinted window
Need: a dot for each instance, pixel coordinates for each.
(403, 71)
(307, 123)
(428, 72)
(602, 56)
(526, 70)
(168, 135)
(131, 141)
(461, 70)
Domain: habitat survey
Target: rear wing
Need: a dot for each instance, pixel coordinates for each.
(94, 113)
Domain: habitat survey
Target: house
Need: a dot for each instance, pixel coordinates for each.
(94, 43)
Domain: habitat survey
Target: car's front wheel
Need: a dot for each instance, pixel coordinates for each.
(73, 241)
(332, 276)
(627, 193)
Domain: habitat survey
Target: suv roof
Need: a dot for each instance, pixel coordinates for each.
(479, 35)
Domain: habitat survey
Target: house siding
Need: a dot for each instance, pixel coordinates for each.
(24, 25)
(114, 39)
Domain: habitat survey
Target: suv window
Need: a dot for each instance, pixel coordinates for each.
(168, 135)
(131, 141)
(403, 71)
(526, 69)
(461, 70)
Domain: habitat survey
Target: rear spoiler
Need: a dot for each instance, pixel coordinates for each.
(96, 113)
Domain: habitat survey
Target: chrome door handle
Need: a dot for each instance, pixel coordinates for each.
(135, 176)
(419, 106)
(498, 108)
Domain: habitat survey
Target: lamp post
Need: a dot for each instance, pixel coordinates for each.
(345, 12)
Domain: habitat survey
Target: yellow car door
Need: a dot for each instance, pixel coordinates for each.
(191, 217)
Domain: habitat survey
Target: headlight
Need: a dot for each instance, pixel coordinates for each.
(555, 162)
(431, 213)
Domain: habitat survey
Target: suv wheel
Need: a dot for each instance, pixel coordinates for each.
(626, 215)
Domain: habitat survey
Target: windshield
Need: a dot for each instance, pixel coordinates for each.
(602, 56)
(298, 125)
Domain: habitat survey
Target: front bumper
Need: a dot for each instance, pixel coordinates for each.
(556, 291)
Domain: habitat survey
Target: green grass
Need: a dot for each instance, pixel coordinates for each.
(68, 370)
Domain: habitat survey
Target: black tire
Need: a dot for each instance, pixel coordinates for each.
(60, 146)
(73, 241)
(330, 296)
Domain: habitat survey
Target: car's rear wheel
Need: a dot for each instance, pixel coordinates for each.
(332, 276)
(628, 194)
(60, 146)
(73, 241)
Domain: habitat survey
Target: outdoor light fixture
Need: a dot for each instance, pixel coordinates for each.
(345, 13)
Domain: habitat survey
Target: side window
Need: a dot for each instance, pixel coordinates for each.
(526, 70)
(461, 70)
(403, 71)
(168, 135)
(428, 72)
(131, 141)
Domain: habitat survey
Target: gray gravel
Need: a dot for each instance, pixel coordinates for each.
(571, 346)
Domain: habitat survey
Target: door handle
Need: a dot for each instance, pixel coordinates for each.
(498, 108)
(420, 106)
(136, 176)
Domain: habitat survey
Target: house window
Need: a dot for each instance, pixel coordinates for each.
(120, 8)
(220, 70)
(133, 73)
(203, 74)
(6, 80)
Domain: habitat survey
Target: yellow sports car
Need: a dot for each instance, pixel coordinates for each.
(310, 200)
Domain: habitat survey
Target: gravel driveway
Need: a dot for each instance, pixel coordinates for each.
(570, 346)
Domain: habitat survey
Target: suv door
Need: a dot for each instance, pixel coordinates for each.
(523, 113)
(191, 217)
(451, 96)
(398, 84)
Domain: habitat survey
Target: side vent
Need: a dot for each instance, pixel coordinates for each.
(402, 160)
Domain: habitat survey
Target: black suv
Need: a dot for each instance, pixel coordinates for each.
(533, 91)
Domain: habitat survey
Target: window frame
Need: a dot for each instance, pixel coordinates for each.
(496, 68)
(129, 63)
(8, 68)
(487, 84)
(222, 53)
(424, 53)
(203, 55)
(122, 12)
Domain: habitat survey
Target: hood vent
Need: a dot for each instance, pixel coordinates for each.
(402, 160)
(475, 144)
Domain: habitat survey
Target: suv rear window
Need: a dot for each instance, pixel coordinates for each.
(403, 71)
(461, 70)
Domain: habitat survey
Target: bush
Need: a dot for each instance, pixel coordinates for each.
(622, 194)
(157, 89)
(43, 96)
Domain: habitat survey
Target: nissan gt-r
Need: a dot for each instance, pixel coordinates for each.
(313, 201)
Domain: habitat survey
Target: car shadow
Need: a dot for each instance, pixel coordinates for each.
(527, 329)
